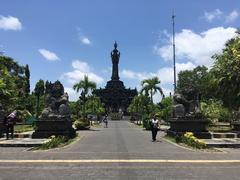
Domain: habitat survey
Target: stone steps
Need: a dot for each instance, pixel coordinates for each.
(223, 142)
(225, 135)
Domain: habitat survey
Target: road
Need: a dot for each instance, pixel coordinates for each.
(122, 151)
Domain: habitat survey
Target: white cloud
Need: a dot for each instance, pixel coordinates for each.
(219, 15)
(10, 23)
(196, 47)
(48, 55)
(232, 16)
(73, 95)
(157, 97)
(165, 74)
(81, 66)
(85, 40)
(129, 74)
(80, 69)
(210, 16)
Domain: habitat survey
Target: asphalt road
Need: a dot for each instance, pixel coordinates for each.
(122, 151)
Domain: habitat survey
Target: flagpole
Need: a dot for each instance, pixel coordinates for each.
(174, 61)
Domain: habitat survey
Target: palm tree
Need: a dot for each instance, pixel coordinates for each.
(151, 86)
(85, 86)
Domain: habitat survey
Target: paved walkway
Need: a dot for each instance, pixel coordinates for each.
(122, 151)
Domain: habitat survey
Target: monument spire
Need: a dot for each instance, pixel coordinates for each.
(115, 55)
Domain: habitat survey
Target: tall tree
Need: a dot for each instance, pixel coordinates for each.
(150, 86)
(84, 86)
(199, 78)
(226, 73)
(27, 74)
(39, 91)
(12, 82)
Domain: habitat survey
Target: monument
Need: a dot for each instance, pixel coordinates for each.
(186, 114)
(55, 118)
(115, 96)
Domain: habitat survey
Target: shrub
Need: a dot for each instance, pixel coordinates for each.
(189, 139)
(82, 123)
(215, 111)
(146, 120)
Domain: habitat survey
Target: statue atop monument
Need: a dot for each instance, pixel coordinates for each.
(115, 55)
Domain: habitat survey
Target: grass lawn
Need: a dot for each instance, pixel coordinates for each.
(19, 128)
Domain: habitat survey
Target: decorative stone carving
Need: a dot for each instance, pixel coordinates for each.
(186, 103)
(56, 103)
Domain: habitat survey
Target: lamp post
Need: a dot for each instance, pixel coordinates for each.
(174, 63)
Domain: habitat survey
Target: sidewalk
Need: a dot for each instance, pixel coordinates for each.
(22, 142)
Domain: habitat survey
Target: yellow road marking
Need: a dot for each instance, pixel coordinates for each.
(119, 161)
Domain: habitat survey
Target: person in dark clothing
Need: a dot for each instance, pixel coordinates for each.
(10, 121)
(105, 120)
(154, 128)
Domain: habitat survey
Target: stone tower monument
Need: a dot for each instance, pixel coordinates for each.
(115, 96)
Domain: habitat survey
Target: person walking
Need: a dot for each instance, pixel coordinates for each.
(105, 120)
(154, 127)
(10, 121)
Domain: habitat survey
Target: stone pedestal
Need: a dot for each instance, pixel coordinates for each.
(47, 128)
(178, 126)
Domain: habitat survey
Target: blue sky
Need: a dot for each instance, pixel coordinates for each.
(66, 39)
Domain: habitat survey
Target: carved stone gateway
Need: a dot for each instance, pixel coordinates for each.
(115, 97)
(186, 115)
(55, 118)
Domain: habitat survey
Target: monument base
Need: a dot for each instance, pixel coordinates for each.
(178, 126)
(46, 128)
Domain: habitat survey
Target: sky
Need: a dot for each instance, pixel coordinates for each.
(65, 40)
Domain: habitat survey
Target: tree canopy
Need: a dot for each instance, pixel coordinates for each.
(226, 72)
